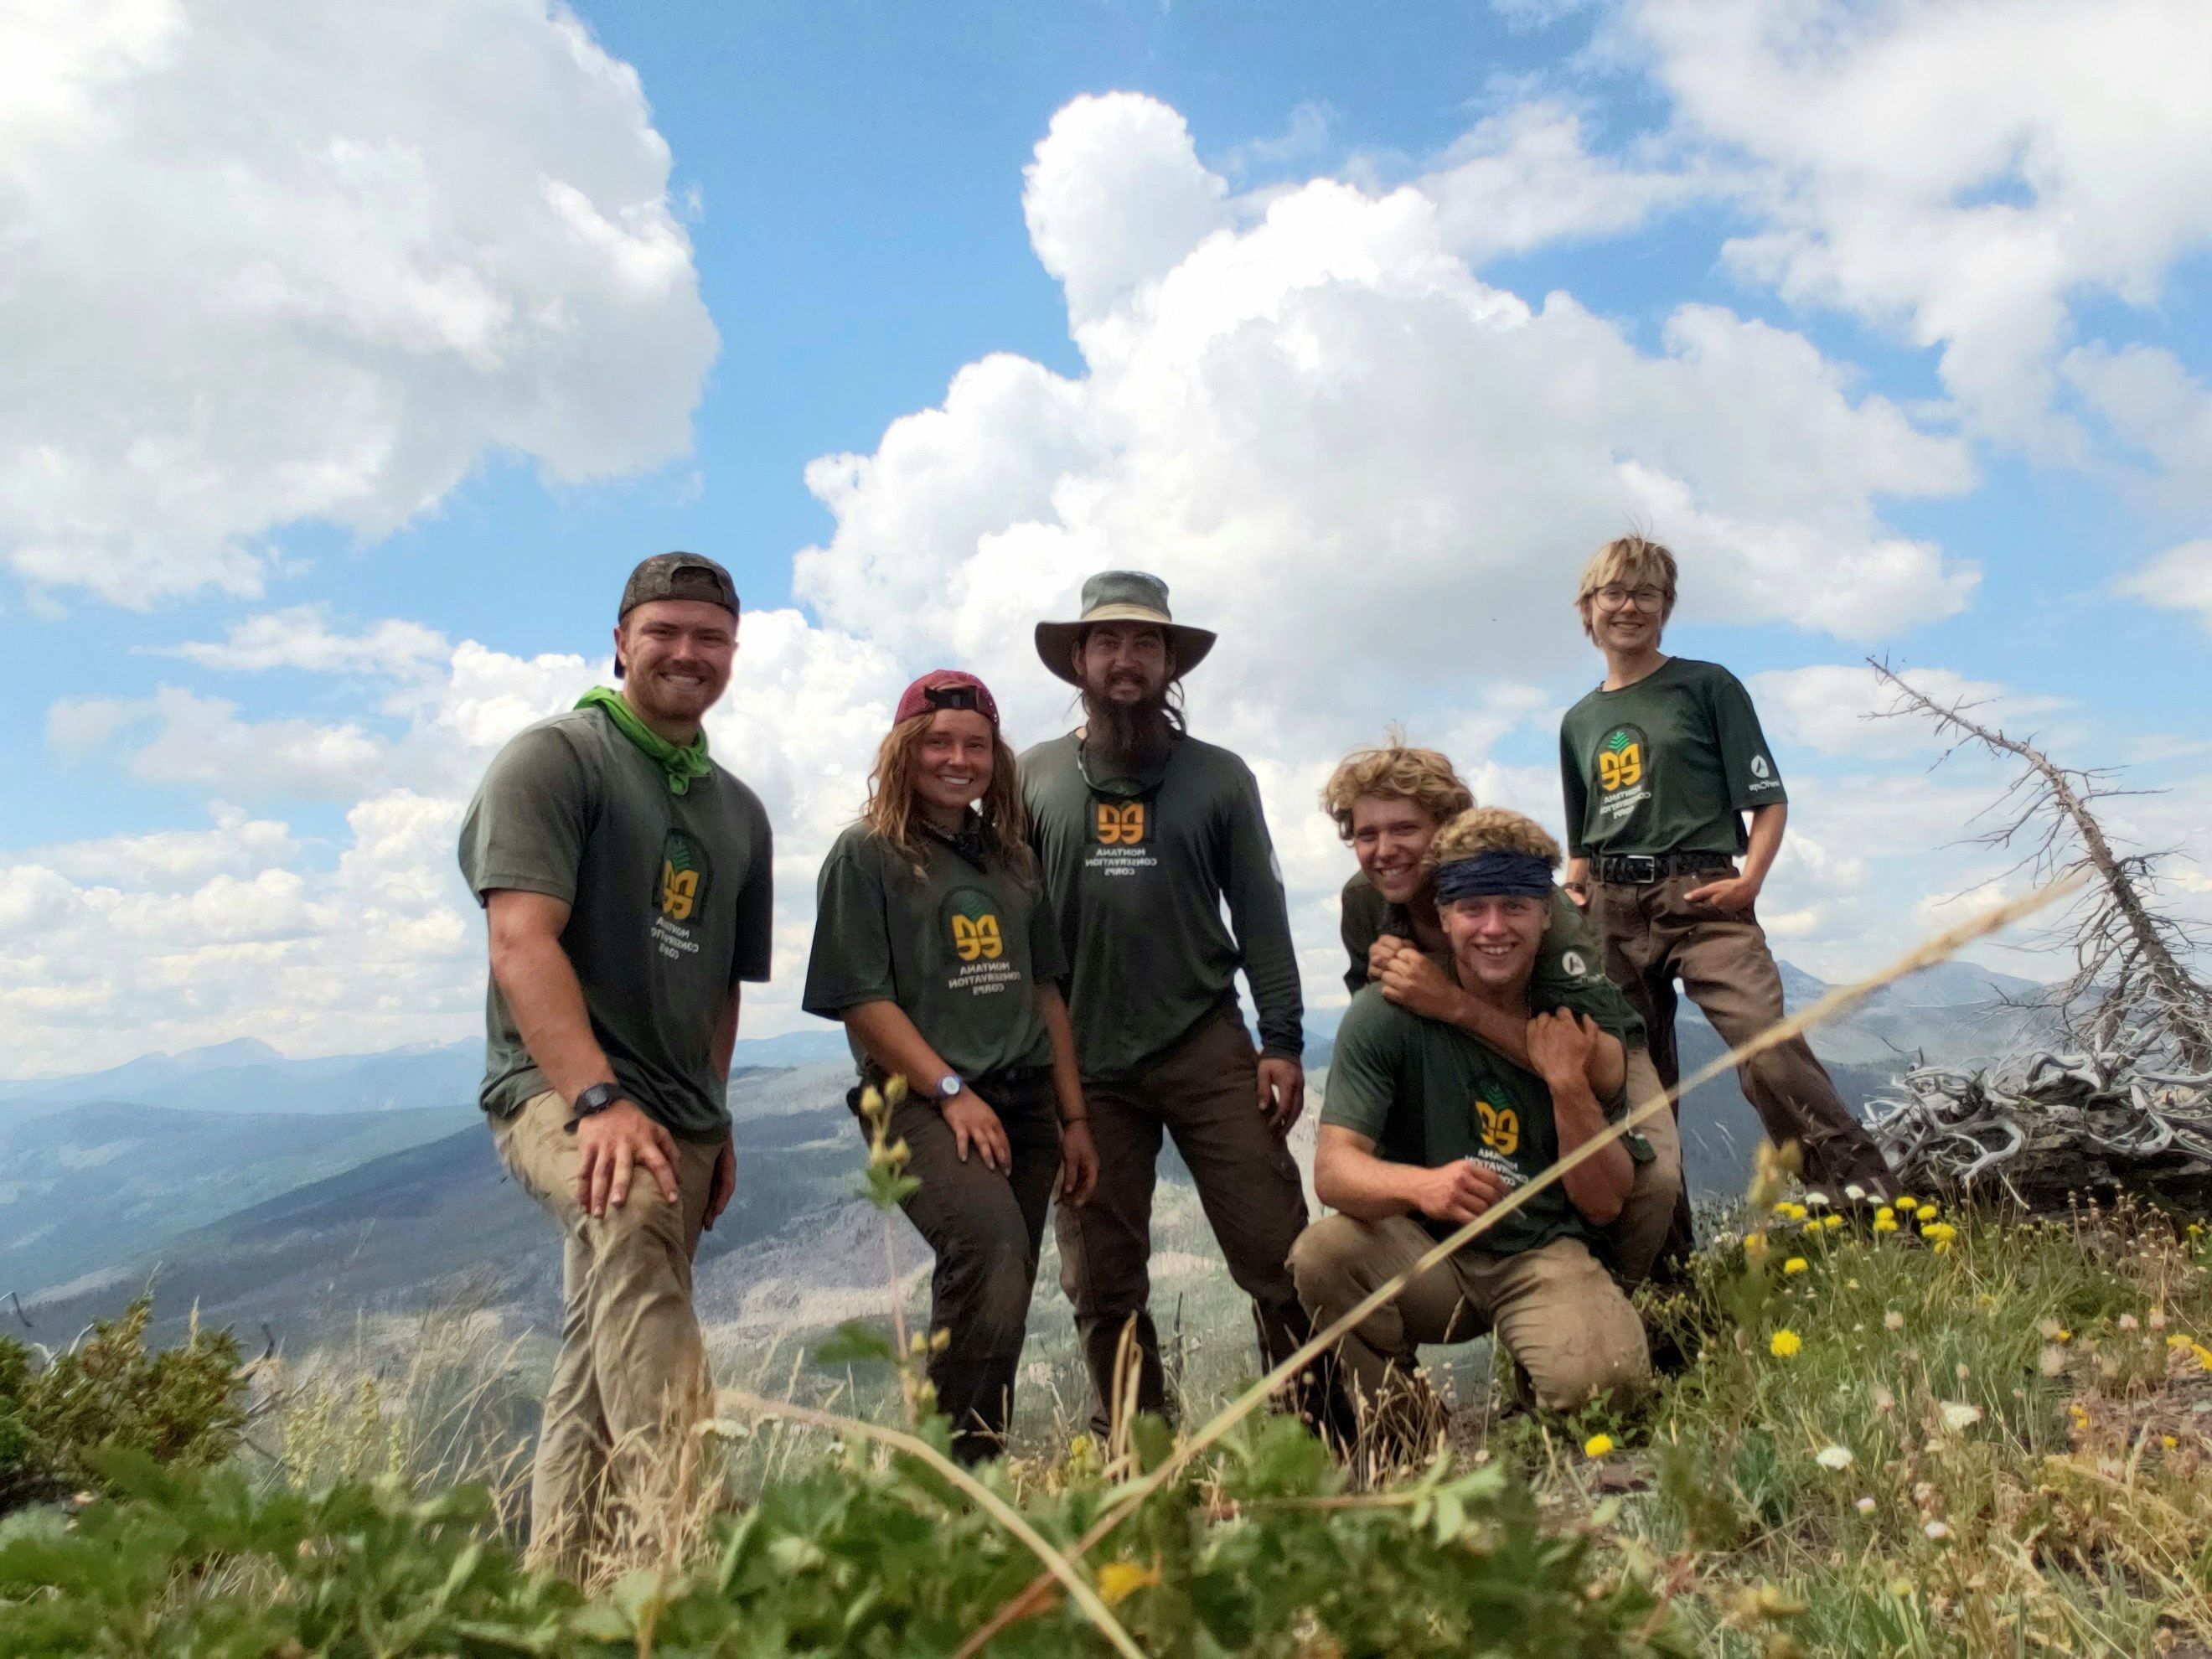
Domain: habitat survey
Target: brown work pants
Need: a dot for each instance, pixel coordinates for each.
(1205, 1092)
(987, 1229)
(615, 1456)
(1556, 1310)
(1646, 1221)
(1653, 935)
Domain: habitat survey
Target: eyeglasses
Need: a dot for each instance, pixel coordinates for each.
(1613, 596)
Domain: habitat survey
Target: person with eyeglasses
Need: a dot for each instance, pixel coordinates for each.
(1145, 834)
(1662, 765)
(935, 949)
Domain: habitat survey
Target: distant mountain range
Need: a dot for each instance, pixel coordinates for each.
(297, 1192)
(249, 1076)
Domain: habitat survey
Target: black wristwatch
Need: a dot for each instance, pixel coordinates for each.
(593, 1101)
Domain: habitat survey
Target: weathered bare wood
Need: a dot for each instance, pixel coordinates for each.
(2130, 966)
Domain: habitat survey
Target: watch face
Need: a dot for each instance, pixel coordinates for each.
(949, 1086)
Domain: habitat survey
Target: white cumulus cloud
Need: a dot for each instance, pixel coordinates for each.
(269, 263)
(2179, 579)
(1968, 172)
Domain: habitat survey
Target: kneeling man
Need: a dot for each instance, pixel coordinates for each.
(1426, 1125)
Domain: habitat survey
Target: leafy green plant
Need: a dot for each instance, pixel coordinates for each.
(179, 1406)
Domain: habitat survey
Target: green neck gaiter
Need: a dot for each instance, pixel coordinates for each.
(681, 764)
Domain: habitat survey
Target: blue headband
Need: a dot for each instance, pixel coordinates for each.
(1494, 874)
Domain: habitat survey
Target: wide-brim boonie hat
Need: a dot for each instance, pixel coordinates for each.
(1122, 596)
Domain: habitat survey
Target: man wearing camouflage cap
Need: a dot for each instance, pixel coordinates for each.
(626, 880)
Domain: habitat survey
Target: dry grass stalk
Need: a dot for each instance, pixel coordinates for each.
(1078, 1587)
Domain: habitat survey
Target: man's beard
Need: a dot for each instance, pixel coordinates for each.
(1128, 735)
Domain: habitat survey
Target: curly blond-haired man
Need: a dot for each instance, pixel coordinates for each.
(1427, 1126)
(1388, 803)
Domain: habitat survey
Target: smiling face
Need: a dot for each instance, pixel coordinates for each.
(1123, 663)
(1389, 836)
(953, 761)
(674, 658)
(1626, 628)
(1494, 939)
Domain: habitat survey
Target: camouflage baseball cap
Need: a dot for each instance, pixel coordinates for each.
(678, 576)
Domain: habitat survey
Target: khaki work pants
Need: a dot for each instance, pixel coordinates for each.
(631, 1376)
(1556, 1310)
(1653, 935)
(987, 1230)
(1205, 1092)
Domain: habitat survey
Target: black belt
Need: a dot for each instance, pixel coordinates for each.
(1012, 1077)
(1640, 869)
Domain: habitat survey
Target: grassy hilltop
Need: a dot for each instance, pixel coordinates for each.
(1966, 1435)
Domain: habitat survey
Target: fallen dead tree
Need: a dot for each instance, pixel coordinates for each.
(2125, 1105)
(2045, 1128)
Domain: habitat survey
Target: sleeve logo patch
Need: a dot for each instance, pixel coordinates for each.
(1759, 768)
(1501, 1127)
(1574, 964)
(1122, 824)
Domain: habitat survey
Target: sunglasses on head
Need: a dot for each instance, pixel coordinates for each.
(953, 696)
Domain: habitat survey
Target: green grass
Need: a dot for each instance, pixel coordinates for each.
(1996, 1447)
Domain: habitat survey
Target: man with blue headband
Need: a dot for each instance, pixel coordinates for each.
(1427, 1126)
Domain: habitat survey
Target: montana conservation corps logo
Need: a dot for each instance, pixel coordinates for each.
(1621, 760)
(1501, 1127)
(1120, 824)
(683, 876)
(1574, 966)
(974, 925)
(981, 965)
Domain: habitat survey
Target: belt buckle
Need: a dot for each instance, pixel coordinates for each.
(1648, 863)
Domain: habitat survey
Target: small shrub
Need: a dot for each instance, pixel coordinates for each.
(179, 1406)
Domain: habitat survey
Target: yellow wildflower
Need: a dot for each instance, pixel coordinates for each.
(1784, 1344)
(1905, 1200)
(1939, 1232)
(2168, 1442)
(1926, 1213)
(1831, 1223)
(1118, 1580)
(1885, 1220)
(1796, 1264)
(1598, 1445)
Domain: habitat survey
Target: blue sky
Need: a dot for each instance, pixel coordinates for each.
(1893, 371)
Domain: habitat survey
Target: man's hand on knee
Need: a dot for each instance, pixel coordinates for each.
(611, 1146)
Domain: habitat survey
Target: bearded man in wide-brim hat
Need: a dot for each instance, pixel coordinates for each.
(1143, 832)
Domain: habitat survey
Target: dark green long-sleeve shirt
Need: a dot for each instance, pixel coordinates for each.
(1136, 870)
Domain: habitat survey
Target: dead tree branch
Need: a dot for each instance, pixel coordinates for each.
(2132, 988)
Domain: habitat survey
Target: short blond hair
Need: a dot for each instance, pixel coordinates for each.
(1630, 560)
(1492, 830)
(1395, 771)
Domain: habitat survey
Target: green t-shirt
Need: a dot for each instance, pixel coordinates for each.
(960, 947)
(1665, 765)
(670, 900)
(1137, 871)
(1570, 970)
(1426, 1093)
